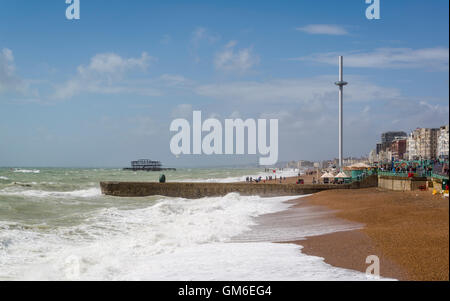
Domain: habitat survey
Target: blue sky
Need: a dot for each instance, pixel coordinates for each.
(103, 90)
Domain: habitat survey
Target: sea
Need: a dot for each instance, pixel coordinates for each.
(55, 224)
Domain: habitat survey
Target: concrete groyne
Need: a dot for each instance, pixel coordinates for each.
(199, 190)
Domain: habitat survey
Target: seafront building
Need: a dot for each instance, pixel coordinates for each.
(420, 144)
(393, 144)
(398, 148)
(385, 155)
(427, 143)
(411, 147)
(373, 156)
(389, 137)
(301, 164)
(386, 141)
(442, 143)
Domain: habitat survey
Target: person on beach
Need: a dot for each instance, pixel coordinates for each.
(162, 179)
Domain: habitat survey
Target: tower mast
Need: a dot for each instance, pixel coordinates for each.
(341, 83)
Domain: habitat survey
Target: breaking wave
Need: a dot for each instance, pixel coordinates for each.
(27, 170)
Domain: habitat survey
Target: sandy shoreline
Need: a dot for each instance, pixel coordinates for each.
(408, 231)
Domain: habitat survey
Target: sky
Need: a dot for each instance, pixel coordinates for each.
(103, 90)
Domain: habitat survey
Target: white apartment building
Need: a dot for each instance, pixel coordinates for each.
(373, 156)
(411, 146)
(426, 143)
(442, 142)
(385, 155)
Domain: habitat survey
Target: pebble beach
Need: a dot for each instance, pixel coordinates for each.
(408, 231)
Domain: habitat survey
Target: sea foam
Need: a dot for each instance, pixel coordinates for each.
(19, 191)
(26, 170)
(170, 239)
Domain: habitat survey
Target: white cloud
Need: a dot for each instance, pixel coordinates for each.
(430, 58)
(240, 60)
(203, 34)
(19, 89)
(309, 130)
(8, 79)
(111, 63)
(326, 29)
(307, 90)
(235, 115)
(182, 111)
(444, 109)
(143, 126)
(166, 39)
(417, 113)
(7, 54)
(174, 80)
(107, 74)
(307, 108)
(214, 115)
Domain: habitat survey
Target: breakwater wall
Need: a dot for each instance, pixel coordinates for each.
(199, 190)
(401, 183)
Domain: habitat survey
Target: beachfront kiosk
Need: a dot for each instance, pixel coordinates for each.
(358, 170)
(342, 177)
(326, 177)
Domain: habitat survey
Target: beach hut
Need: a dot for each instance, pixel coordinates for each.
(359, 166)
(357, 169)
(326, 177)
(342, 177)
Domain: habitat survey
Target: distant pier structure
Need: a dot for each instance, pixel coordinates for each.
(147, 165)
